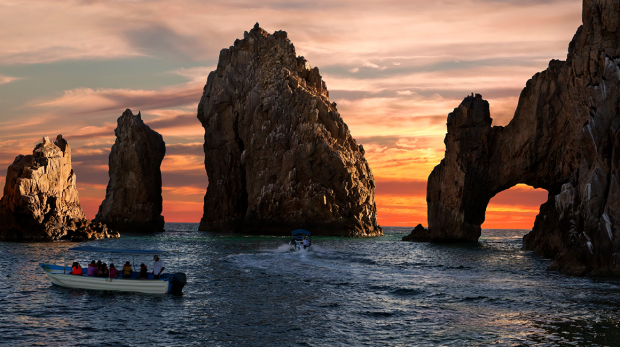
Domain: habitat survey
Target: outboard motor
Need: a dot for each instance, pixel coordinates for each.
(178, 282)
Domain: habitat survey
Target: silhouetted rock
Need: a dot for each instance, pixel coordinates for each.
(41, 202)
(418, 234)
(133, 201)
(564, 138)
(278, 155)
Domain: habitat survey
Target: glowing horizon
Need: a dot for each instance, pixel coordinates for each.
(395, 70)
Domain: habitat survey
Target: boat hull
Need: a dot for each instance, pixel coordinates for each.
(60, 276)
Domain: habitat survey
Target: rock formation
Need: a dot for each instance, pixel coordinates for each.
(41, 202)
(565, 138)
(418, 234)
(278, 155)
(133, 199)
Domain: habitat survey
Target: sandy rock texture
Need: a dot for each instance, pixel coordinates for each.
(565, 138)
(133, 201)
(41, 202)
(278, 155)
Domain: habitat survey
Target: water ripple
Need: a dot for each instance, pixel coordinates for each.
(251, 291)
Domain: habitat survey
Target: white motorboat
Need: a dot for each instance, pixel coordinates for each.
(167, 283)
(301, 240)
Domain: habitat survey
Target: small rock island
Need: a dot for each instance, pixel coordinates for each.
(41, 202)
(277, 153)
(133, 200)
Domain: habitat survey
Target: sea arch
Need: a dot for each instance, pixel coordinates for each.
(482, 161)
(514, 208)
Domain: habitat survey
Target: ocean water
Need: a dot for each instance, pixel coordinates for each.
(252, 291)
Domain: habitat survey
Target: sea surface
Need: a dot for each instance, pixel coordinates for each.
(252, 291)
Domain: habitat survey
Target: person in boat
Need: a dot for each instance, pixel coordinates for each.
(92, 269)
(158, 267)
(306, 243)
(113, 271)
(76, 269)
(127, 270)
(103, 271)
(143, 272)
(293, 243)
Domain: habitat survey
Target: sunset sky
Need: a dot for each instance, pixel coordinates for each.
(395, 69)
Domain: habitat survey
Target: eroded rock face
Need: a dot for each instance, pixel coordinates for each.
(565, 138)
(133, 201)
(278, 155)
(41, 202)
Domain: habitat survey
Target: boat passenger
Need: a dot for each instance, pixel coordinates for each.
(127, 270)
(103, 271)
(143, 272)
(158, 267)
(306, 243)
(113, 271)
(92, 269)
(76, 269)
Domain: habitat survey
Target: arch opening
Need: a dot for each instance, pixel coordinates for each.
(514, 208)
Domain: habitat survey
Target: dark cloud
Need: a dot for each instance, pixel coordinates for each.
(401, 188)
(90, 159)
(158, 40)
(98, 134)
(185, 149)
(87, 174)
(151, 100)
(182, 120)
(196, 179)
(410, 66)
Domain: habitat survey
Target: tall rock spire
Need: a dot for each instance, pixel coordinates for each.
(133, 201)
(278, 155)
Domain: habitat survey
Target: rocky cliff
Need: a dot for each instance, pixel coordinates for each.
(133, 201)
(278, 155)
(565, 138)
(41, 202)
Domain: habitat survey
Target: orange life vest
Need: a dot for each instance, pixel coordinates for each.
(76, 270)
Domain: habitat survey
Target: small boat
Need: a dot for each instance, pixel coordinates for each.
(167, 283)
(300, 240)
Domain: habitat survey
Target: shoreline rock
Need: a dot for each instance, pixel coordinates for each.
(133, 200)
(41, 202)
(278, 155)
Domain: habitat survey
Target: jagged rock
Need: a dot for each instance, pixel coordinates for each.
(418, 234)
(41, 202)
(133, 201)
(278, 155)
(564, 138)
